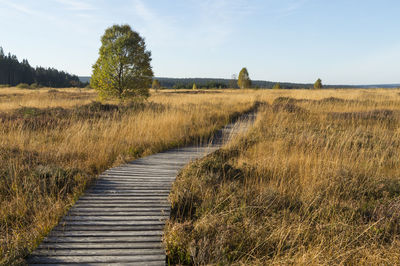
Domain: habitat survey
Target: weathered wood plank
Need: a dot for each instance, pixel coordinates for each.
(130, 189)
(148, 172)
(140, 186)
(122, 205)
(115, 218)
(134, 184)
(147, 263)
(123, 223)
(97, 252)
(120, 209)
(105, 233)
(103, 239)
(121, 201)
(108, 228)
(97, 259)
(127, 192)
(126, 214)
(121, 246)
(122, 197)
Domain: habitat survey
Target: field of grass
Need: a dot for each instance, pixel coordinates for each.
(55, 142)
(316, 181)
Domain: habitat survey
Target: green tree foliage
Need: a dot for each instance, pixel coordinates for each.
(194, 86)
(156, 85)
(277, 86)
(244, 79)
(13, 72)
(123, 68)
(318, 84)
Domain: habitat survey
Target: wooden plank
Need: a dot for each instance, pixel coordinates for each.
(103, 239)
(123, 223)
(142, 172)
(129, 177)
(133, 180)
(139, 186)
(121, 201)
(133, 177)
(97, 252)
(121, 205)
(147, 263)
(115, 218)
(97, 259)
(145, 169)
(121, 209)
(126, 214)
(133, 184)
(105, 233)
(108, 228)
(122, 197)
(131, 189)
(133, 202)
(128, 192)
(142, 245)
(125, 196)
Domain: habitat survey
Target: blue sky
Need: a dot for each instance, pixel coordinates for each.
(340, 41)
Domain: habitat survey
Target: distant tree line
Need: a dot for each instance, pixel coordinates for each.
(200, 85)
(210, 83)
(13, 72)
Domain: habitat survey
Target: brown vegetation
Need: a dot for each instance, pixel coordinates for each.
(54, 142)
(316, 181)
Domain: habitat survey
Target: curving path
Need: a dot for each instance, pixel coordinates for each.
(120, 219)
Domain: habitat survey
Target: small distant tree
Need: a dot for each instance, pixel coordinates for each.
(277, 86)
(318, 84)
(123, 68)
(156, 85)
(233, 82)
(194, 86)
(244, 79)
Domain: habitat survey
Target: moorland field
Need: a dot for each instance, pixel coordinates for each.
(315, 180)
(53, 143)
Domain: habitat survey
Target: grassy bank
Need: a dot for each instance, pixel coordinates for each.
(54, 142)
(316, 181)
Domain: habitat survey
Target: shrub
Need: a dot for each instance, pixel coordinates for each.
(23, 86)
(35, 86)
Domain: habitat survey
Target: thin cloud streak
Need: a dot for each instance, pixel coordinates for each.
(76, 5)
(20, 8)
(291, 8)
(26, 10)
(156, 27)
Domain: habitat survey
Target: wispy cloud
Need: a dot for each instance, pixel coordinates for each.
(19, 7)
(76, 5)
(291, 7)
(27, 9)
(211, 21)
(220, 18)
(157, 27)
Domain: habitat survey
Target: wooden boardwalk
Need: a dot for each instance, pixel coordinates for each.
(120, 219)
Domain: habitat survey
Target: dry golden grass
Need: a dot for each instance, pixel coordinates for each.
(53, 143)
(13, 97)
(316, 181)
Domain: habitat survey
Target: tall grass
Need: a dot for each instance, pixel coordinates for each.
(316, 181)
(55, 142)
